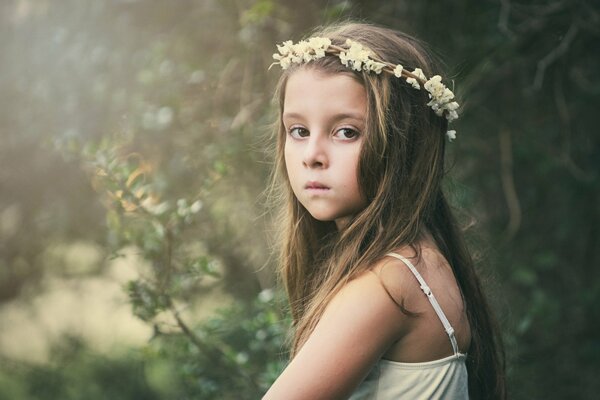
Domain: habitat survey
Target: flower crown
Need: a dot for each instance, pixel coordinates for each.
(360, 58)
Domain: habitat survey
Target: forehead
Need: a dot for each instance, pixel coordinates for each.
(309, 91)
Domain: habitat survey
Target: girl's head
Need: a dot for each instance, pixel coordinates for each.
(397, 141)
(359, 162)
(324, 120)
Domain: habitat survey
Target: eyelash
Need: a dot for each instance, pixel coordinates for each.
(355, 132)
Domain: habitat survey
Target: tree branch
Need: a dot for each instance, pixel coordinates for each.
(554, 55)
(508, 185)
(503, 19)
(214, 353)
(565, 118)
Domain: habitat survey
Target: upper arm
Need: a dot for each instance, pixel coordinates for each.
(356, 328)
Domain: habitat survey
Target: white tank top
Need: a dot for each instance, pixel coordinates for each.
(445, 378)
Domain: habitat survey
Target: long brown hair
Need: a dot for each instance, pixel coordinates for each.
(400, 173)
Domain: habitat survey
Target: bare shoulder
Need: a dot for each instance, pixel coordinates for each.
(368, 297)
(404, 287)
(400, 282)
(395, 277)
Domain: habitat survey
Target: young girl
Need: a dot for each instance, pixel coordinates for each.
(384, 297)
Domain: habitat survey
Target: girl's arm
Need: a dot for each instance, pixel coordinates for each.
(356, 328)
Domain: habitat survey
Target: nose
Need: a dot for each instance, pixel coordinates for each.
(315, 152)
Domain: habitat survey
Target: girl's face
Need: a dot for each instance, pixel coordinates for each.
(324, 117)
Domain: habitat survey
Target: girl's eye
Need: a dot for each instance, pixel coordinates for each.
(298, 132)
(346, 133)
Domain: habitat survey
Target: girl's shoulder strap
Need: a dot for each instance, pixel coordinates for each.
(436, 306)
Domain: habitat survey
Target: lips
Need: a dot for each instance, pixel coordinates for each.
(316, 185)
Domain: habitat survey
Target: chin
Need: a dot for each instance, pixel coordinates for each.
(329, 217)
(322, 217)
(324, 214)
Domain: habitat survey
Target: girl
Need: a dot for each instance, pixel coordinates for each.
(384, 297)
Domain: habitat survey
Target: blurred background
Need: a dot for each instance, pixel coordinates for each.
(136, 258)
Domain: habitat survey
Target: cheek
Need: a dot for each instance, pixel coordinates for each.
(352, 161)
(288, 159)
(354, 176)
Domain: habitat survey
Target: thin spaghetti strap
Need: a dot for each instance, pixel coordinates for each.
(432, 300)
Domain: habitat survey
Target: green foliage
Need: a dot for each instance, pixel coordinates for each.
(146, 302)
(236, 354)
(75, 372)
(241, 355)
(139, 217)
(231, 355)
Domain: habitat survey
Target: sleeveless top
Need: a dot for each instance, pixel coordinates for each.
(445, 378)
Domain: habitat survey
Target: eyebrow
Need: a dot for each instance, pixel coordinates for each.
(336, 117)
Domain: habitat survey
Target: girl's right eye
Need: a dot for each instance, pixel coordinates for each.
(298, 132)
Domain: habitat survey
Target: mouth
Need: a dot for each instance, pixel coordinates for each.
(314, 185)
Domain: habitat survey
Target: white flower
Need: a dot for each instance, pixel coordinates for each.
(294, 58)
(375, 66)
(356, 55)
(302, 51)
(439, 110)
(452, 106)
(441, 98)
(451, 116)
(413, 82)
(435, 87)
(419, 73)
(446, 96)
(398, 71)
(285, 48)
(451, 135)
(319, 45)
(344, 58)
(285, 63)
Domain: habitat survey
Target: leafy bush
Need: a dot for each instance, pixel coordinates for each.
(74, 373)
(238, 353)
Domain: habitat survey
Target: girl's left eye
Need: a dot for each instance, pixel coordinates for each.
(346, 133)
